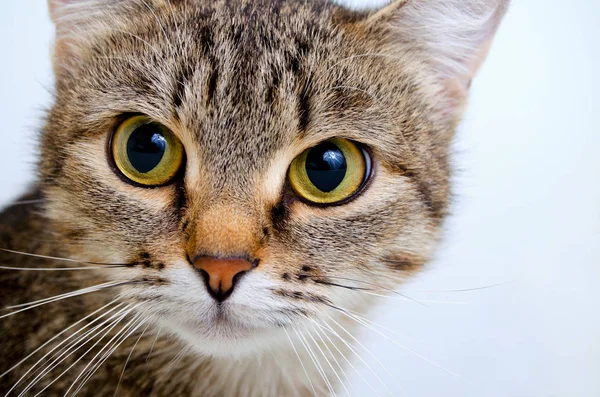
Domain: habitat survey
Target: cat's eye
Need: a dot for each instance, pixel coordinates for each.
(146, 152)
(330, 172)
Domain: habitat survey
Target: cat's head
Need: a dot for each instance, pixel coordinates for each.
(257, 164)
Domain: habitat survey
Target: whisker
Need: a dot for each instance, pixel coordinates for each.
(342, 286)
(349, 315)
(469, 289)
(102, 349)
(153, 344)
(170, 367)
(315, 361)
(47, 269)
(56, 258)
(56, 357)
(54, 338)
(367, 351)
(301, 362)
(79, 292)
(120, 315)
(393, 332)
(321, 332)
(423, 301)
(129, 357)
(361, 359)
(107, 350)
(367, 283)
(326, 359)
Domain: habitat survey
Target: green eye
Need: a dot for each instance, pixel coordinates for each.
(146, 152)
(330, 172)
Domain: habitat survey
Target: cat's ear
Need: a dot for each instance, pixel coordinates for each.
(452, 37)
(75, 21)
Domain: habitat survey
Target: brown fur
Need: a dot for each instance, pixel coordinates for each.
(246, 86)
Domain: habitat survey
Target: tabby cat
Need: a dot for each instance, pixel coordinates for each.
(224, 187)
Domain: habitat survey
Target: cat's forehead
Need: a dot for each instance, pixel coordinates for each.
(238, 81)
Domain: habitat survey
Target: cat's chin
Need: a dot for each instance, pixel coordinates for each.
(224, 337)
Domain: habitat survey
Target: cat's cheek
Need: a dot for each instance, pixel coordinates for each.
(90, 196)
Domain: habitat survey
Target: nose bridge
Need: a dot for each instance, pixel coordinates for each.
(226, 229)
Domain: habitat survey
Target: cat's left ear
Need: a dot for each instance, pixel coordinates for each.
(452, 37)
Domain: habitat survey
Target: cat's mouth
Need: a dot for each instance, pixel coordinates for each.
(223, 333)
(248, 319)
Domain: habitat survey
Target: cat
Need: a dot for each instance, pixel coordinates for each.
(224, 187)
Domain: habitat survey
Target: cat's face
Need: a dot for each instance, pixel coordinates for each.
(240, 90)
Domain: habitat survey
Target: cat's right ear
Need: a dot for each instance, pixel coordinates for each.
(77, 22)
(74, 20)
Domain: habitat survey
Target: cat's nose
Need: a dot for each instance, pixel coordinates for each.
(221, 274)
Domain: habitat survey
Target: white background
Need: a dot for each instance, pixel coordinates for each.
(527, 212)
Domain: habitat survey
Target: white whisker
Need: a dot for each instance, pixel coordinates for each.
(416, 300)
(327, 360)
(170, 367)
(129, 357)
(362, 360)
(44, 269)
(301, 363)
(71, 343)
(320, 328)
(365, 349)
(315, 361)
(119, 316)
(467, 289)
(421, 345)
(153, 344)
(351, 316)
(110, 342)
(56, 337)
(363, 289)
(41, 302)
(57, 258)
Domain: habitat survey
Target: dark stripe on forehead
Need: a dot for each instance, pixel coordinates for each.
(303, 105)
(211, 85)
(185, 75)
(297, 64)
(273, 86)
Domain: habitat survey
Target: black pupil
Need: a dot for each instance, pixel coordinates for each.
(146, 147)
(326, 166)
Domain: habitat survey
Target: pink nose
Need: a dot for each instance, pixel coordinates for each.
(221, 274)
